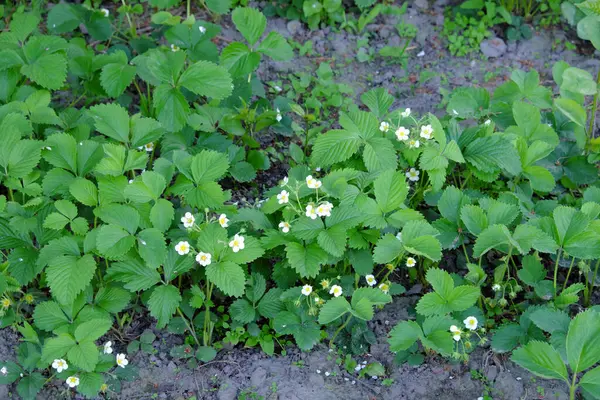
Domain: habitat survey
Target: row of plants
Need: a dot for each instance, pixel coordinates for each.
(119, 201)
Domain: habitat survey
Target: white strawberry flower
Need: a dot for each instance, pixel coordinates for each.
(188, 220)
(370, 280)
(402, 133)
(237, 243)
(174, 48)
(336, 291)
(384, 126)
(496, 287)
(108, 347)
(73, 381)
(105, 12)
(405, 113)
(278, 117)
(413, 144)
(385, 288)
(223, 221)
(283, 197)
(306, 290)
(203, 259)
(122, 361)
(60, 365)
(182, 248)
(284, 226)
(285, 181)
(456, 337)
(312, 183)
(202, 29)
(149, 147)
(311, 212)
(324, 209)
(471, 323)
(411, 262)
(413, 175)
(454, 330)
(399, 236)
(426, 132)
(487, 122)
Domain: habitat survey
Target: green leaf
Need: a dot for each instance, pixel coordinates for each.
(208, 166)
(172, 107)
(111, 120)
(474, 219)
(121, 215)
(306, 260)
(404, 335)
(163, 303)
(492, 237)
(334, 146)
(583, 341)
(112, 299)
(47, 70)
(379, 154)
(207, 79)
(333, 309)
(115, 78)
(134, 274)
(250, 22)
(152, 247)
(228, 277)
(239, 60)
(68, 276)
(62, 18)
(532, 272)
(84, 191)
(113, 242)
(378, 100)
(507, 337)
(541, 359)
(276, 47)
(92, 330)
(48, 316)
(572, 110)
(84, 355)
(390, 190)
(550, 320)
(57, 347)
(387, 249)
(252, 250)
(440, 281)
(29, 386)
(162, 214)
(569, 223)
(590, 382)
(487, 153)
(241, 310)
(577, 80)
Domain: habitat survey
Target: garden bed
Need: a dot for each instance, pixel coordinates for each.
(247, 373)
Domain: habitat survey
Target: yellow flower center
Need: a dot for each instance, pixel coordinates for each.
(236, 243)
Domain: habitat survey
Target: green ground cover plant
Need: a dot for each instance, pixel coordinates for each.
(122, 153)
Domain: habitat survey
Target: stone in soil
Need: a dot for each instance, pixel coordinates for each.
(494, 47)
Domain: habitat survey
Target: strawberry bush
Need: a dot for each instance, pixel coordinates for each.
(120, 160)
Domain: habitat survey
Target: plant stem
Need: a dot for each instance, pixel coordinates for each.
(187, 9)
(594, 110)
(339, 330)
(556, 269)
(569, 273)
(573, 388)
(592, 284)
(205, 333)
(131, 26)
(190, 328)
